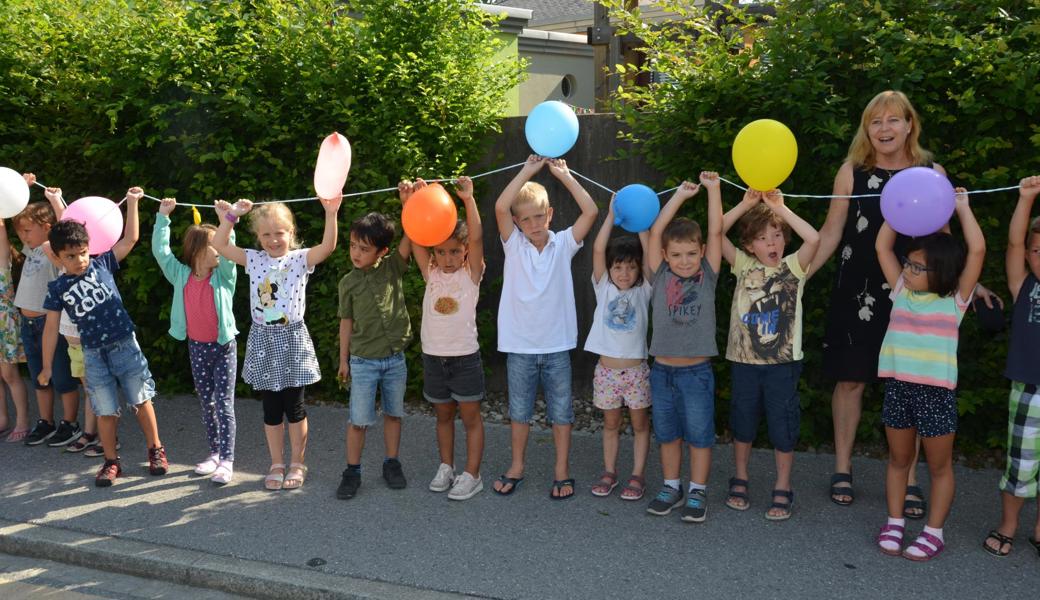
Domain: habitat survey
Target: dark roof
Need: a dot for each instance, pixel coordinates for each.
(551, 11)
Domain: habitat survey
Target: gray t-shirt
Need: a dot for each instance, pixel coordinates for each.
(684, 313)
(37, 272)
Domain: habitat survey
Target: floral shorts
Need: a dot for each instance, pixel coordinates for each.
(613, 387)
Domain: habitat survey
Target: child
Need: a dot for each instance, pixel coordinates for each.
(203, 290)
(537, 321)
(765, 337)
(685, 264)
(374, 330)
(112, 358)
(33, 225)
(453, 375)
(11, 352)
(280, 359)
(618, 335)
(1022, 474)
(930, 293)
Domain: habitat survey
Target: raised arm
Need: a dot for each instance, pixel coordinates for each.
(710, 180)
(168, 263)
(317, 254)
(751, 198)
(132, 228)
(668, 212)
(222, 238)
(834, 224)
(644, 242)
(475, 249)
(774, 199)
(53, 196)
(599, 245)
(884, 245)
(976, 242)
(589, 210)
(1018, 235)
(420, 253)
(503, 206)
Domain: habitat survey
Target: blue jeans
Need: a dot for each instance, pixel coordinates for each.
(32, 340)
(553, 371)
(774, 389)
(119, 365)
(389, 375)
(683, 403)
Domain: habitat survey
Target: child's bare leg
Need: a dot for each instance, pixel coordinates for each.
(474, 424)
(912, 477)
(146, 418)
(900, 454)
(1011, 505)
(446, 431)
(846, 406)
(392, 435)
(939, 454)
(784, 464)
(275, 435)
(107, 431)
(355, 444)
(611, 434)
(700, 465)
(562, 441)
(518, 433)
(89, 419)
(298, 441)
(45, 402)
(671, 458)
(741, 458)
(19, 395)
(70, 406)
(640, 418)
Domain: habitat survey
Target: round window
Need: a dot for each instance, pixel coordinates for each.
(567, 86)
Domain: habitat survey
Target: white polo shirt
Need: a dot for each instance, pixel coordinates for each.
(536, 314)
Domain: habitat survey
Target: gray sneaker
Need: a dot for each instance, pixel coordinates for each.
(667, 499)
(465, 487)
(696, 509)
(443, 479)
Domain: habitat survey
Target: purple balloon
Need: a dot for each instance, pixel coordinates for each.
(918, 201)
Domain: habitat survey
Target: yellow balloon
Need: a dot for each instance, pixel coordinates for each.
(764, 153)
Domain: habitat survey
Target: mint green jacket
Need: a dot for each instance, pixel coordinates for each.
(177, 273)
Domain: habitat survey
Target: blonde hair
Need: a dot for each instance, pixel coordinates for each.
(861, 151)
(532, 193)
(276, 211)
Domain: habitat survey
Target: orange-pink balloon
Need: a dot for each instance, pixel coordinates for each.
(330, 171)
(429, 216)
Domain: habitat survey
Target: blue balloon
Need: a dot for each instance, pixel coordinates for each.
(636, 207)
(551, 129)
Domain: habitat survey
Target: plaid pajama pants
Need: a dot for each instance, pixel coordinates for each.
(1023, 462)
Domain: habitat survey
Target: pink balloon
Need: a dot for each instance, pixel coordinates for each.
(330, 172)
(102, 218)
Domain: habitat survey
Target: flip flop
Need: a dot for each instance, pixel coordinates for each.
(274, 481)
(558, 486)
(17, 435)
(910, 505)
(512, 482)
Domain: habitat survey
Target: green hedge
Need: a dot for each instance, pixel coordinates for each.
(971, 68)
(203, 100)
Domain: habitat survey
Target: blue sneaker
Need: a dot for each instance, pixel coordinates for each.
(696, 509)
(667, 499)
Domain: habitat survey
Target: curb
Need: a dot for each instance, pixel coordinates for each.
(193, 568)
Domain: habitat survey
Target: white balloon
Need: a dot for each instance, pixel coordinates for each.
(14, 193)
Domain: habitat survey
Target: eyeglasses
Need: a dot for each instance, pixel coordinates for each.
(1035, 251)
(913, 267)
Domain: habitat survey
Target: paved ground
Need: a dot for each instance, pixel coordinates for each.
(386, 543)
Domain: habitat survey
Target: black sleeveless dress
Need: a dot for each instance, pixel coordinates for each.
(857, 317)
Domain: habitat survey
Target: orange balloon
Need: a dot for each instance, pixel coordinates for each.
(429, 216)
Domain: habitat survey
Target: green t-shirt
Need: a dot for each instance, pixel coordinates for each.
(374, 299)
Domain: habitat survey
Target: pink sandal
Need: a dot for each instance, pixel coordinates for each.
(606, 484)
(888, 534)
(634, 488)
(928, 552)
(17, 435)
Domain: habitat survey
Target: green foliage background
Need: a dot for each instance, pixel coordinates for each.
(972, 70)
(204, 100)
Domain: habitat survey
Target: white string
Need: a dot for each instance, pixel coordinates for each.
(593, 182)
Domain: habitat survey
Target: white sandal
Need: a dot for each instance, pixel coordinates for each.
(208, 466)
(273, 481)
(224, 473)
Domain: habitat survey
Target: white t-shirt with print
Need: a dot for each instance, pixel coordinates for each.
(277, 286)
(619, 323)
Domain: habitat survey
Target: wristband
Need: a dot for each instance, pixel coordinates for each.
(231, 217)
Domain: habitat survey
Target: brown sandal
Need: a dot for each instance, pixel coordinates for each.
(606, 484)
(634, 488)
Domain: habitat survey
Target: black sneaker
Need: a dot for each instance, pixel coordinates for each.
(40, 433)
(667, 499)
(108, 473)
(394, 474)
(65, 434)
(348, 487)
(696, 509)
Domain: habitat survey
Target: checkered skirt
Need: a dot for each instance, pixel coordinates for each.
(279, 357)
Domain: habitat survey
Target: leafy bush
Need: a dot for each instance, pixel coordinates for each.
(972, 70)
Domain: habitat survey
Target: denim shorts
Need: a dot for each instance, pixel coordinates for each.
(389, 375)
(117, 366)
(32, 341)
(774, 389)
(683, 403)
(453, 378)
(553, 372)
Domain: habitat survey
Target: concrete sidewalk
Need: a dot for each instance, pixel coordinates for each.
(414, 543)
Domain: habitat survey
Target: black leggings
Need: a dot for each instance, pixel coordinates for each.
(287, 402)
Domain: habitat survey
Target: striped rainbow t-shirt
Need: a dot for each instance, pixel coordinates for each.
(920, 345)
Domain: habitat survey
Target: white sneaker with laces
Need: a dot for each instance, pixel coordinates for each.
(208, 466)
(443, 479)
(465, 487)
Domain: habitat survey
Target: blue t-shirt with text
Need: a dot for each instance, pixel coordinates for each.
(92, 302)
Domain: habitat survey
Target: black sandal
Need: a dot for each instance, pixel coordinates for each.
(842, 490)
(734, 482)
(912, 505)
(1000, 537)
(787, 507)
